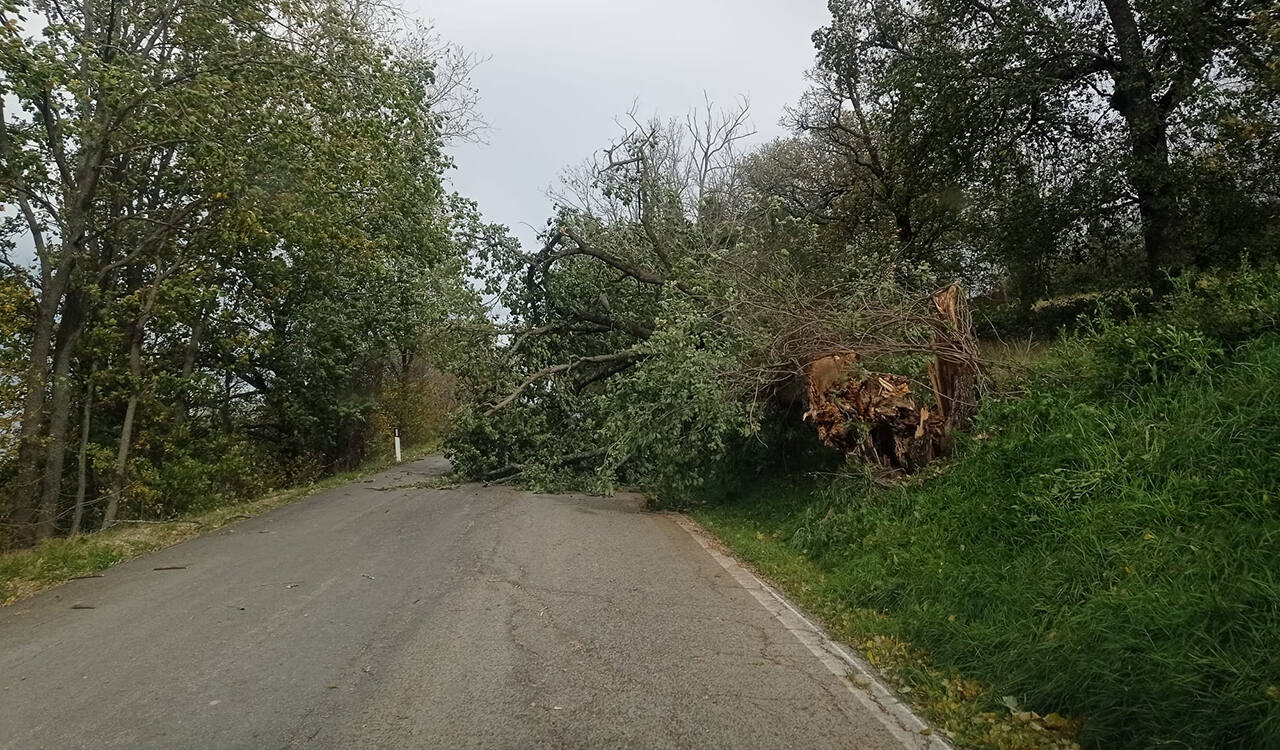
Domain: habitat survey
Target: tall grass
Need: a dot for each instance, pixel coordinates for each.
(1106, 546)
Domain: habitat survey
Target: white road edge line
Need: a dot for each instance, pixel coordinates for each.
(872, 693)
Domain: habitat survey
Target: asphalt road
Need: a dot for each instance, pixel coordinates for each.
(387, 614)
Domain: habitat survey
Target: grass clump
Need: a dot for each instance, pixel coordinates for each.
(1105, 547)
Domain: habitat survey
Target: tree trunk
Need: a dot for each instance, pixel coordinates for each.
(56, 280)
(31, 432)
(953, 374)
(906, 231)
(1150, 174)
(59, 414)
(1157, 194)
(77, 516)
(189, 367)
(224, 413)
(126, 430)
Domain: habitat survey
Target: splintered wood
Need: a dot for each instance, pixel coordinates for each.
(953, 372)
(875, 415)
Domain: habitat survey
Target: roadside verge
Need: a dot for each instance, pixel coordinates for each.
(877, 664)
(857, 676)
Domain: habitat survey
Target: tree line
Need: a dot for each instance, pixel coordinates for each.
(228, 259)
(1043, 155)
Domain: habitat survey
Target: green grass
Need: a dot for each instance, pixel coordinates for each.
(58, 560)
(1105, 551)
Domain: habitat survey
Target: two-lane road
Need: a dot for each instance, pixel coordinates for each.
(385, 614)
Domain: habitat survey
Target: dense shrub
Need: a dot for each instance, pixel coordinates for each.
(1048, 318)
(1231, 306)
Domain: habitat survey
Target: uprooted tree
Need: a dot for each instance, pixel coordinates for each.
(674, 315)
(1031, 152)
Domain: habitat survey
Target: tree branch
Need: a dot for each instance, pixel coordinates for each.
(512, 469)
(560, 368)
(582, 248)
(638, 330)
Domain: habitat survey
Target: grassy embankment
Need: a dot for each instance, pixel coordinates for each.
(54, 561)
(1105, 546)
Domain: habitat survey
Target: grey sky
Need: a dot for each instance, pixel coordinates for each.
(561, 71)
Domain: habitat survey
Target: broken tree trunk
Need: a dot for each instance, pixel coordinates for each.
(875, 416)
(953, 374)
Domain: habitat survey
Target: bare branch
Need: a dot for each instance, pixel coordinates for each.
(545, 372)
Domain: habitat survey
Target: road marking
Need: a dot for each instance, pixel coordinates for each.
(901, 722)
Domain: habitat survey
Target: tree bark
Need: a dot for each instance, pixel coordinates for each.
(1157, 195)
(77, 515)
(35, 381)
(126, 430)
(906, 232)
(1150, 174)
(188, 367)
(59, 414)
(31, 430)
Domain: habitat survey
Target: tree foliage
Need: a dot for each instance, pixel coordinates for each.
(232, 239)
(1122, 127)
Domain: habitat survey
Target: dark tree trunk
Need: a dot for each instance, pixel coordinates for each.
(1150, 174)
(1157, 194)
(906, 231)
(188, 368)
(24, 488)
(59, 414)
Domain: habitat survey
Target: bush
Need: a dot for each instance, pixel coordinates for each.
(1048, 318)
(1230, 307)
(227, 471)
(1149, 351)
(1207, 314)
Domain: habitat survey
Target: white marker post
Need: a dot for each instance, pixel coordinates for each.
(397, 439)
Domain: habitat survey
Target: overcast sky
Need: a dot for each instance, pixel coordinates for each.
(561, 71)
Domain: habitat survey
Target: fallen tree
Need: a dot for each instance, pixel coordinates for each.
(672, 318)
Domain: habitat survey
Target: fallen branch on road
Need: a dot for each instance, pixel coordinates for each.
(513, 469)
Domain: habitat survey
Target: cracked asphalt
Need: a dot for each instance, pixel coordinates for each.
(387, 614)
